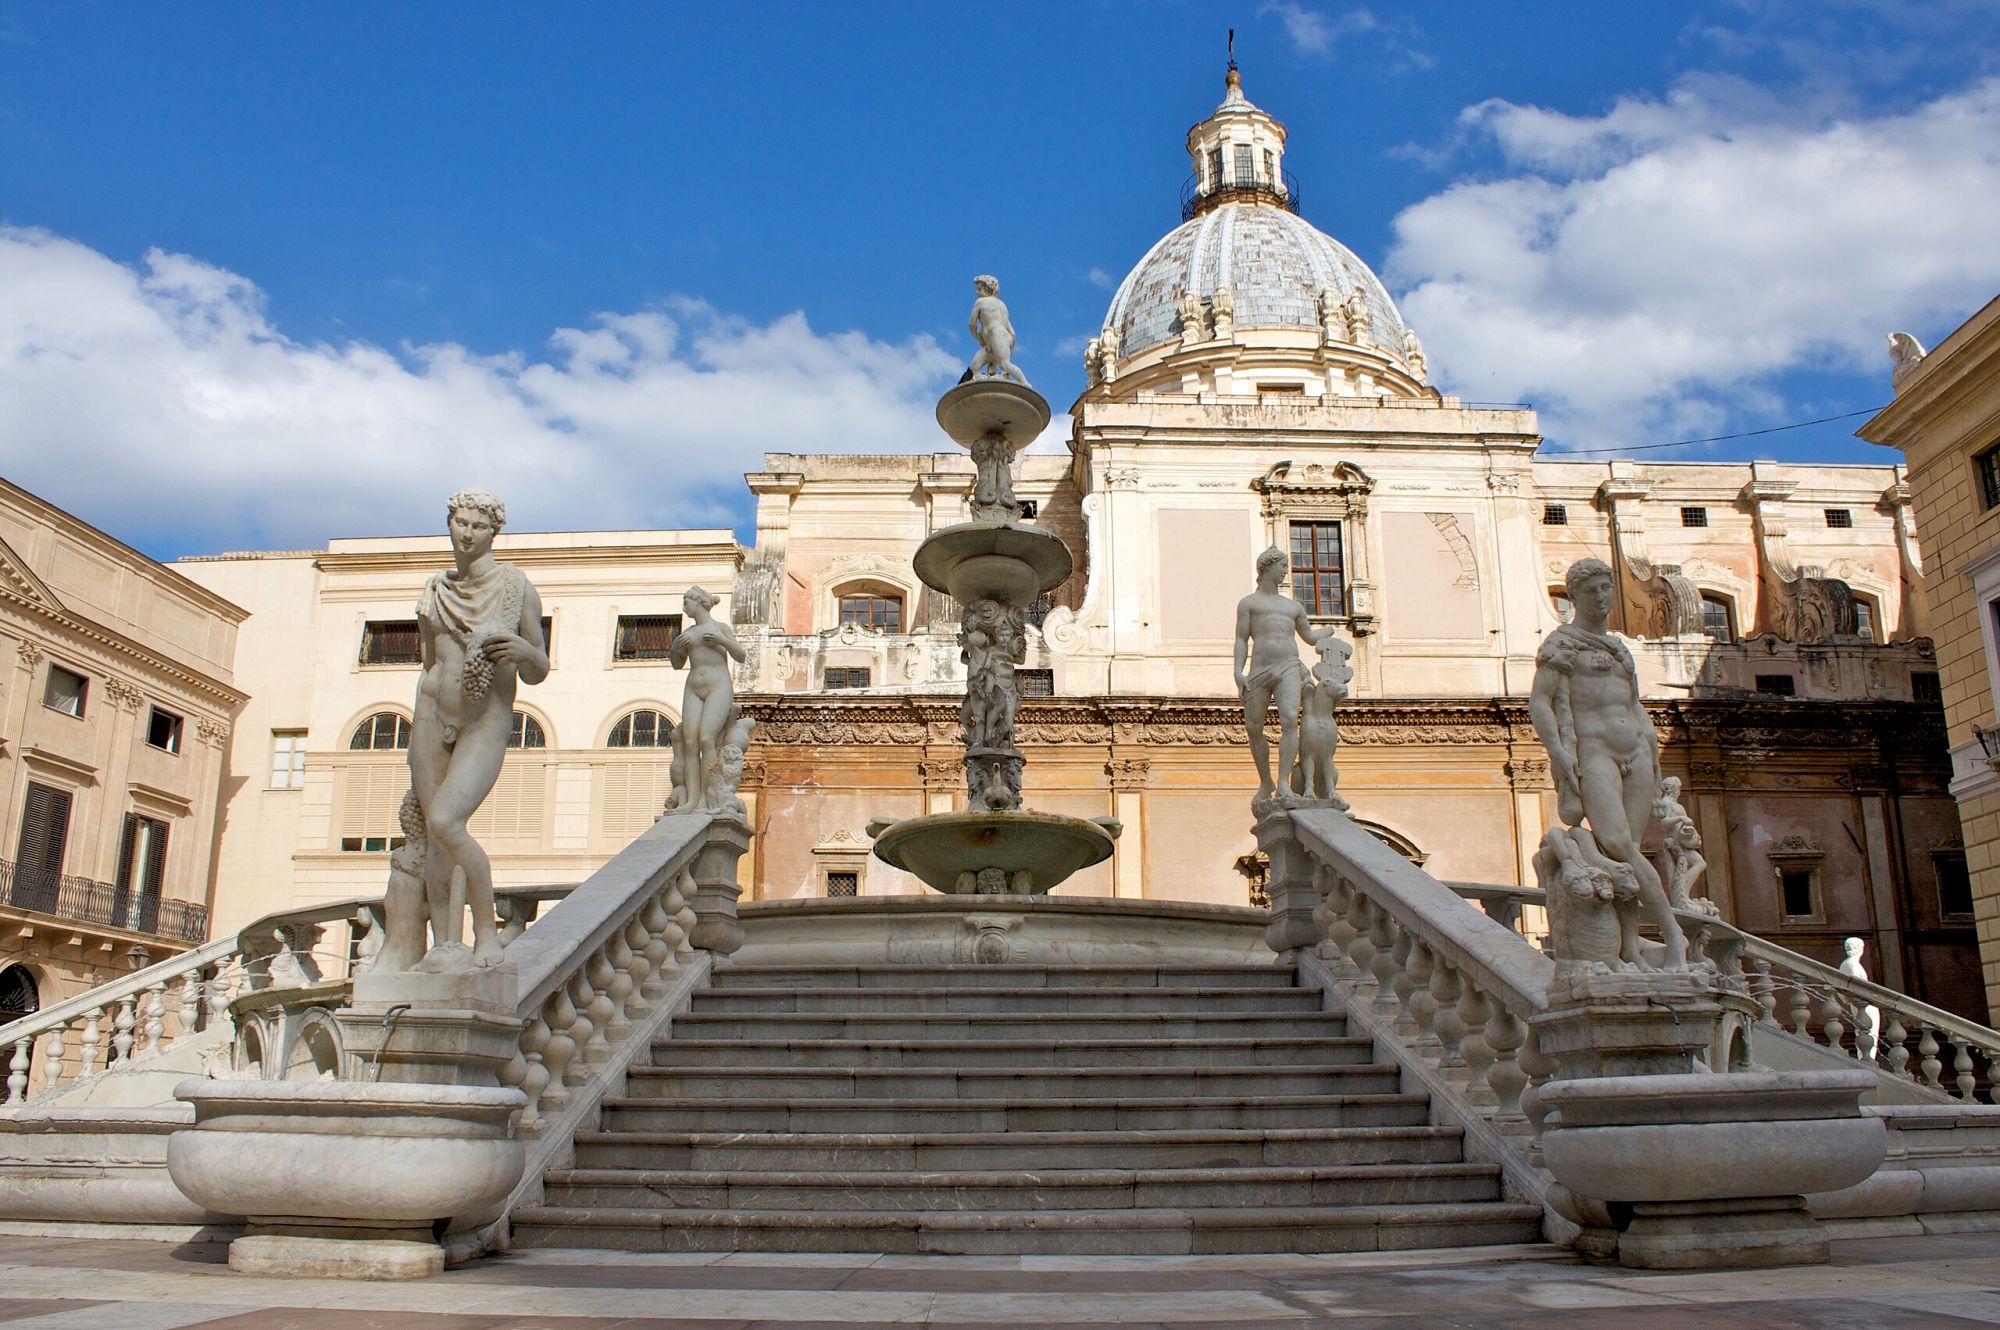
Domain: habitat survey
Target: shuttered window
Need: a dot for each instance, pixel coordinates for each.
(368, 799)
(39, 858)
(142, 873)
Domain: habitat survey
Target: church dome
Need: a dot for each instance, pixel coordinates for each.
(1274, 265)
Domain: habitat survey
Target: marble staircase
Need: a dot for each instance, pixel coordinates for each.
(1134, 1108)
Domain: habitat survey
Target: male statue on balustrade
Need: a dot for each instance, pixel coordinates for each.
(1603, 751)
(1268, 669)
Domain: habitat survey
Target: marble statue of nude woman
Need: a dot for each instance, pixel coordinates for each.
(704, 648)
(480, 625)
(1603, 751)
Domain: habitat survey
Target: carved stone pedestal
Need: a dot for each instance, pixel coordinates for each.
(1643, 1023)
(716, 929)
(1703, 1171)
(456, 1028)
(1294, 896)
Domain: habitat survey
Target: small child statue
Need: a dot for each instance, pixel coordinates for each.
(1313, 775)
(991, 327)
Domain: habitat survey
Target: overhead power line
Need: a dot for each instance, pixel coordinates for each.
(1715, 438)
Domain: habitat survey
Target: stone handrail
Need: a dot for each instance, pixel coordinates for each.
(131, 1019)
(1815, 1002)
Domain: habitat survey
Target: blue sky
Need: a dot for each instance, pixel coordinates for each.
(286, 272)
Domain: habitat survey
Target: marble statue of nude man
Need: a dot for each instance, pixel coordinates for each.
(1603, 751)
(991, 327)
(480, 625)
(1266, 622)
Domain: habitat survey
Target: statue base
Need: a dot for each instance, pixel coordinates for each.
(1644, 1023)
(457, 1027)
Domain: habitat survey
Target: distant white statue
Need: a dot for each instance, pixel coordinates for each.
(1191, 316)
(1413, 355)
(994, 331)
(1223, 305)
(704, 648)
(1868, 1029)
(1314, 777)
(1268, 668)
(1683, 846)
(1906, 351)
(480, 628)
(1603, 751)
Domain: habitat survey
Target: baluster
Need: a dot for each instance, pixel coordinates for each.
(1992, 1056)
(1962, 1066)
(1504, 1034)
(1539, 1065)
(638, 965)
(1401, 982)
(582, 1028)
(53, 1054)
(154, 1006)
(1323, 910)
(1361, 946)
(559, 1014)
(92, 1036)
(1895, 1044)
(1382, 931)
(1927, 1051)
(1339, 932)
(121, 1030)
(606, 1011)
(1834, 1027)
(1473, 1048)
(1801, 1007)
(221, 983)
(684, 912)
(1423, 1006)
(1445, 986)
(535, 1074)
(660, 927)
(189, 1011)
(1765, 991)
(17, 1073)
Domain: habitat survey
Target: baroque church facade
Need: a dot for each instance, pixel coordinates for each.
(1252, 384)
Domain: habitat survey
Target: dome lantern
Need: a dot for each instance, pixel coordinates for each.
(1238, 155)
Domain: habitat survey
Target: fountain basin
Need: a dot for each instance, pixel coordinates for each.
(1004, 561)
(980, 407)
(1032, 851)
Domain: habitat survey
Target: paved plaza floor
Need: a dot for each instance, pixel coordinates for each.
(1881, 1284)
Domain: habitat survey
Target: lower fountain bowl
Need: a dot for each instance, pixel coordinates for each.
(1020, 852)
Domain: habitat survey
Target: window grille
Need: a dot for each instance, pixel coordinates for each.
(1694, 517)
(1777, 685)
(1035, 683)
(641, 729)
(1925, 686)
(381, 732)
(849, 676)
(645, 636)
(1986, 467)
(1839, 517)
(391, 642)
(843, 884)
(1555, 514)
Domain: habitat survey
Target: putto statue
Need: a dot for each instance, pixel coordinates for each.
(480, 625)
(994, 331)
(705, 648)
(1868, 1028)
(1268, 668)
(1605, 757)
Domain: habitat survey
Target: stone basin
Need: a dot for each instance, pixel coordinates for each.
(1006, 561)
(1035, 851)
(342, 1178)
(980, 407)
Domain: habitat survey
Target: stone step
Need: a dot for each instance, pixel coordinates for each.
(947, 1151)
(1004, 976)
(1013, 1189)
(1009, 1232)
(1036, 1113)
(1042, 1053)
(1058, 1084)
(880, 1026)
(1024, 1001)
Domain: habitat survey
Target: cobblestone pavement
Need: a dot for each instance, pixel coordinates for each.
(1877, 1284)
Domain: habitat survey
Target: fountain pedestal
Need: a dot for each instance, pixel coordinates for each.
(993, 566)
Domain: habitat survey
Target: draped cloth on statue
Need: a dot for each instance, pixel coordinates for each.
(467, 609)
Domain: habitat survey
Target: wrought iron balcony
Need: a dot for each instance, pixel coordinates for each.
(88, 902)
(1229, 188)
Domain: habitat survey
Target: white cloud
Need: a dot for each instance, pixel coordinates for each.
(1653, 268)
(1100, 278)
(1313, 33)
(163, 400)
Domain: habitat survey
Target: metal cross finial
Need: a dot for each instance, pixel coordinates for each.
(1232, 48)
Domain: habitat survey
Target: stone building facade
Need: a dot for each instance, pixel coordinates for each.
(1946, 420)
(118, 702)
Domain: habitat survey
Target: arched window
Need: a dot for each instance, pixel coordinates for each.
(873, 607)
(1559, 597)
(641, 729)
(19, 994)
(1718, 617)
(527, 732)
(381, 731)
(1866, 616)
